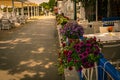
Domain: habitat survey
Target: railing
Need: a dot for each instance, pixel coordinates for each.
(104, 71)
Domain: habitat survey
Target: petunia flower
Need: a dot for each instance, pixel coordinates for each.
(69, 59)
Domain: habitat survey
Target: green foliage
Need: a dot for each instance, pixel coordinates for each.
(61, 20)
(45, 5)
(60, 69)
(51, 3)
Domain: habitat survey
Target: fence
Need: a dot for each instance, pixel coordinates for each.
(104, 70)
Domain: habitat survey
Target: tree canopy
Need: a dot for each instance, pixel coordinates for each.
(48, 5)
(45, 5)
(52, 3)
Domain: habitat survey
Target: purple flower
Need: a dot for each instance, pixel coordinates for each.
(88, 45)
(80, 53)
(69, 59)
(85, 54)
(88, 41)
(88, 49)
(82, 56)
(72, 30)
(69, 53)
(77, 48)
(81, 43)
(96, 52)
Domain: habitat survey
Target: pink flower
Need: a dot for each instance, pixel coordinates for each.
(88, 49)
(88, 45)
(69, 59)
(69, 53)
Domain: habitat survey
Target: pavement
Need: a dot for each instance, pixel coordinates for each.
(29, 52)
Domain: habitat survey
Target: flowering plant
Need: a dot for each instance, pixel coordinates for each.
(72, 30)
(81, 54)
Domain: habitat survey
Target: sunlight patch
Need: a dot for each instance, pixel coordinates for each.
(30, 63)
(39, 50)
(47, 59)
(22, 33)
(3, 47)
(48, 65)
(18, 40)
(8, 41)
(9, 47)
(42, 74)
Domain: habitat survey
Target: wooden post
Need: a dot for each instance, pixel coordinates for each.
(96, 10)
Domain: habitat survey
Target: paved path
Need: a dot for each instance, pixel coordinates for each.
(30, 52)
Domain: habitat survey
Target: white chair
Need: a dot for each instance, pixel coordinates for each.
(5, 24)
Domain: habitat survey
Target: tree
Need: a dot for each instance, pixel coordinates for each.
(52, 3)
(45, 5)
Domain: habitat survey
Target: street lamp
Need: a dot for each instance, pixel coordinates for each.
(75, 15)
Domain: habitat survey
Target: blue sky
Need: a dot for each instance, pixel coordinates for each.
(38, 1)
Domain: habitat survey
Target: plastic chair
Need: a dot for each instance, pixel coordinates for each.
(5, 24)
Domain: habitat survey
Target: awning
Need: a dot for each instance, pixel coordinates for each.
(17, 3)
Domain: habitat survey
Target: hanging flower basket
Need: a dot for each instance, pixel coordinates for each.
(72, 30)
(82, 54)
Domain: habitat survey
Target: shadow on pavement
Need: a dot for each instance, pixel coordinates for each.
(30, 52)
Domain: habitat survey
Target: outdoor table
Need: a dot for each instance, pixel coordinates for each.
(111, 44)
